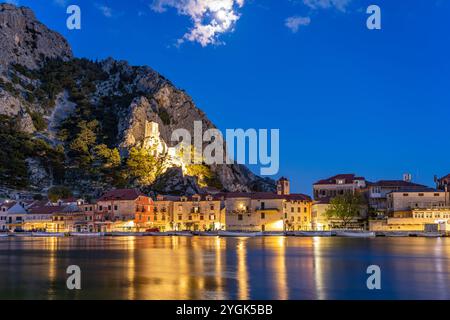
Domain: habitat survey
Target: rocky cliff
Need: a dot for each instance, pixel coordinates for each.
(83, 111)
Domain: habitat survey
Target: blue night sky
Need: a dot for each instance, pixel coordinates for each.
(346, 99)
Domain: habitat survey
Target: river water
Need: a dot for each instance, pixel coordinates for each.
(224, 268)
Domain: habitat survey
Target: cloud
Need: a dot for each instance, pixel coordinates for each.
(294, 23)
(105, 10)
(326, 4)
(211, 18)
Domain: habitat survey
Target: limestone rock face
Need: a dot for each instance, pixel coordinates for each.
(174, 182)
(37, 174)
(13, 107)
(134, 96)
(26, 41)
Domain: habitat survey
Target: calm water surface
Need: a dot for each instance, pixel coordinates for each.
(224, 268)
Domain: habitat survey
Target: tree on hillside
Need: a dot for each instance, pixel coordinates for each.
(109, 158)
(345, 207)
(145, 165)
(59, 192)
(85, 138)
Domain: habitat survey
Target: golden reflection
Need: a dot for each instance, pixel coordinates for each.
(219, 267)
(242, 273)
(130, 245)
(51, 244)
(318, 268)
(279, 267)
(198, 254)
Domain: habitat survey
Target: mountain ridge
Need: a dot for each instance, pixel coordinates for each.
(81, 109)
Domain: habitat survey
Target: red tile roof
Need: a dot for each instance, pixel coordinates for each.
(8, 205)
(349, 178)
(46, 209)
(396, 183)
(265, 196)
(121, 194)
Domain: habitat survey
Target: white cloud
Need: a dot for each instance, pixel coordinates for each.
(294, 23)
(326, 4)
(105, 10)
(211, 18)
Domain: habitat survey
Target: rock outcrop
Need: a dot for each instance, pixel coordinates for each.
(26, 41)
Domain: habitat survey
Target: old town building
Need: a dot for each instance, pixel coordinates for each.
(120, 208)
(338, 185)
(198, 213)
(266, 211)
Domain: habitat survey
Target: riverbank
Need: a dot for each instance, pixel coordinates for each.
(236, 234)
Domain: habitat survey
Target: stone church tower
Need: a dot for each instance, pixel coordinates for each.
(283, 187)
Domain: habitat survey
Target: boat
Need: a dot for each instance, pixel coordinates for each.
(21, 234)
(206, 233)
(47, 234)
(239, 234)
(87, 234)
(274, 233)
(310, 233)
(3, 234)
(429, 234)
(155, 234)
(355, 234)
(396, 234)
(124, 234)
(180, 233)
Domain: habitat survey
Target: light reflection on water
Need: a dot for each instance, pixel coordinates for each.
(224, 268)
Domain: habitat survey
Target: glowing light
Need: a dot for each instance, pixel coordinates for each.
(129, 224)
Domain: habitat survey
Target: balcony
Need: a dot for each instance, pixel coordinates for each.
(258, 209)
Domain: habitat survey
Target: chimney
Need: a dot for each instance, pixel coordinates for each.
(407, 177)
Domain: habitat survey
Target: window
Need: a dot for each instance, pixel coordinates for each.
(190, 218)
(420, 194)
(100, 208)
(292, 209)
(263, 215)
(109, 207)
(180, 217)
(263, 205)
(240, 217)
(116, 207)
(405, 194)
(155, 218)
(212, 217)
(298, 209)
(211, 207)
(201, 217)
(305, 209)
